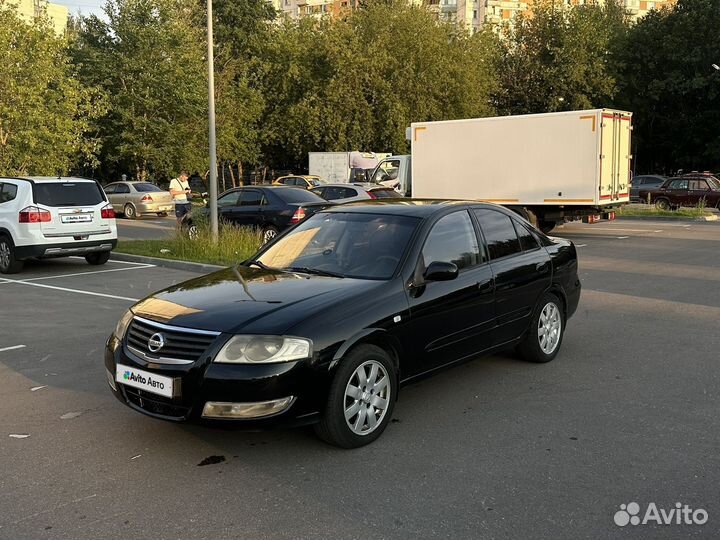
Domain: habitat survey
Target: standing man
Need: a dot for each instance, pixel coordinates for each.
(180, 190)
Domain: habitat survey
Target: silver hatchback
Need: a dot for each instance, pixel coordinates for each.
(358, 191)
(133, 199)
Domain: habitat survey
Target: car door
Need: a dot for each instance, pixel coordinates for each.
(227, 205)
(676, 192)
(248, 212)
(521, 267)
(112, 198)
(121, 196)
(698, 191)
(451, 320)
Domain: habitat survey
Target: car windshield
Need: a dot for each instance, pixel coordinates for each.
(354, 245)
(295, 195)
(146, 187)
(67, 193)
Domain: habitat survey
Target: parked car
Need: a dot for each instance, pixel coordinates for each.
(271, 209)
(306, 182)
(687, 191)
(133, 199)
(355, 192)
(43, 217)
(643, 184)
(325, 323)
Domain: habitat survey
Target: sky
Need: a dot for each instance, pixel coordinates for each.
(86, 7)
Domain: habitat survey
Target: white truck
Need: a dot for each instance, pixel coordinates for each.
(342, 167)
(548, 167)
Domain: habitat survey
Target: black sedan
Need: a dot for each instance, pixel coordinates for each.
(270, 209)
(325, 323)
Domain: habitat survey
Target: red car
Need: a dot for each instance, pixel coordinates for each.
(686, 191)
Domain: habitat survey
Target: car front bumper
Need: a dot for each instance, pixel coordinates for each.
(249, 386)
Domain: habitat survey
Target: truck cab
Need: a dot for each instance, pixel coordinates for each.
(394, 172)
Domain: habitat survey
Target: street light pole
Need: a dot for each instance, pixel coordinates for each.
(211, 125)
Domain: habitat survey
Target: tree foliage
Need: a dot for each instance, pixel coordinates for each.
(45, 112)
(666, 78)
(560, 57)
(149, 58)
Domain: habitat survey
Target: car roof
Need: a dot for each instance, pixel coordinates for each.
(41, 179)
(421, 208)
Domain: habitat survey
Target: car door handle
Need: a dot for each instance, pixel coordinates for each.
(485, 286)
(541, 267)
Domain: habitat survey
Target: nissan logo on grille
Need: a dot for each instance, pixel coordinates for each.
(156, 342)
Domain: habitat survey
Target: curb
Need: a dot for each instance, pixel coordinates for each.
(713, 217)
(166, 263)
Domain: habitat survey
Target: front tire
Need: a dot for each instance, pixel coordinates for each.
(662, 204)
(361, 399)
(8, 263)
(547, 327)
(97, 258)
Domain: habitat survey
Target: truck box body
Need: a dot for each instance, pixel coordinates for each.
(567, 159)
(338, 167)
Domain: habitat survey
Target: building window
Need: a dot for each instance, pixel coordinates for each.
(475, 14)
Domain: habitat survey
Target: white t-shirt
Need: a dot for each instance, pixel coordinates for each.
(179, 185)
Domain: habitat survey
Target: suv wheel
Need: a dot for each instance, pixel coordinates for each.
(8, 263)
(361, 399)
(662, 204)
(97, 258)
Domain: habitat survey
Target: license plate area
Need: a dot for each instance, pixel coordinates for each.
(76, 218)
(149, 382)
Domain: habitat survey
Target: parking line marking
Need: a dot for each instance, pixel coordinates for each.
(89, 273)
(103, 295)
(111, 260)
(622, 237)
(12, 348)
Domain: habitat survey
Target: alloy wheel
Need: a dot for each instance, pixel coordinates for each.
(549, 327)
(367, 396)
(269, 234)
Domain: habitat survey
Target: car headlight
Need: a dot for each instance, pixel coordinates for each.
(264, 349)
(123, 324)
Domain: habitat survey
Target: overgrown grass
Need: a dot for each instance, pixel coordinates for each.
(236, 244)
(651, 211)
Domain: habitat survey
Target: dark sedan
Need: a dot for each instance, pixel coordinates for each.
(687, 191)
(325, 323)
(640, 185)
(270, 209)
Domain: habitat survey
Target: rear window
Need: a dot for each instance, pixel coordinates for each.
(294, 195)
(146, 187)
(68, 193)
(385, 193)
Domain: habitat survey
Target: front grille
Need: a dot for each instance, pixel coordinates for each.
(185, 345)
(155, 404)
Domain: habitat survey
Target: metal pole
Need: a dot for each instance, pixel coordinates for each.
(211, 125)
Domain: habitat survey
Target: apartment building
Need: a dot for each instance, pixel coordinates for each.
(58, 15)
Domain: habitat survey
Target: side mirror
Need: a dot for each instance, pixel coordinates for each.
(441, 271)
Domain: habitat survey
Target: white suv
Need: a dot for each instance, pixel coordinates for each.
(54, 217)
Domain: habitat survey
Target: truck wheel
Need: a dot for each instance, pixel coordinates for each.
(8, 263)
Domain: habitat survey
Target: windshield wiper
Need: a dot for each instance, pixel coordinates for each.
(316, 271)
(260, 265)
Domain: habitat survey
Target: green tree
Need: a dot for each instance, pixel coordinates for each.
(357, 83)
(45, 112)
(560, 58)
(149, 58)
(668, 81)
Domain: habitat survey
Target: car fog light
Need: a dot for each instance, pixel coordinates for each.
(256, 409)
(110, 379)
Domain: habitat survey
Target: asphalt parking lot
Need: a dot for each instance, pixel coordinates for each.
(494, 448)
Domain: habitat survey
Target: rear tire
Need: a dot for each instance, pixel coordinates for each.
(547, 327)
(97, 258)
(8, 263)
(130, 212)
(269, 233)
(361, 398)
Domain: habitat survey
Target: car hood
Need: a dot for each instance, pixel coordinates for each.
(245, 299)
